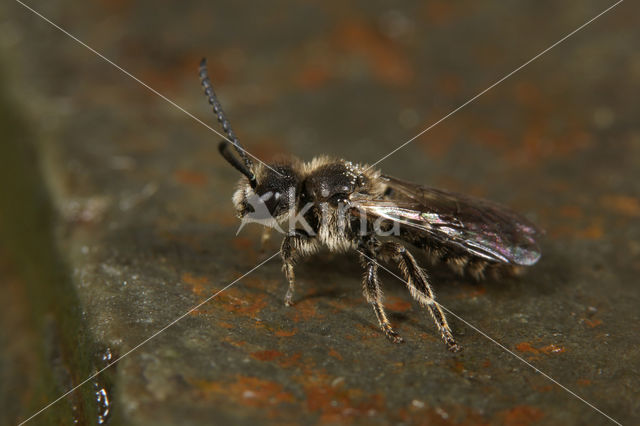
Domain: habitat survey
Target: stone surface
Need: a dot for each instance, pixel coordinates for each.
(144, 226)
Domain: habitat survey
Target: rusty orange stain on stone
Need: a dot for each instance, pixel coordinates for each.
(441, 140)
(558, 186)
(245, 390)
(286, 333)
(256, 281)
(552, 349)
(419, 414)
(591, 232)
(189, 177)
(450, 85)
(304, 310)
(384, 57)
(521, 415)
(242, 243)
(584, 382)
(335, 354)
(223, 216)
(341, 404)
(224, 324)
(256, 305)
(270, 148)
(571, 212)
(232, 295)
(471, 291)
(399, 365)
(197, 283)
(180, 66)
(397, 304)
(458, 366)
(529, 148)
(268, 355)
(544, 388)
(526, 347)
(367, 331)
(262, 391)
(593, 323)
(574, 140)
(167, 77)
(622, 204)
(528, 94)
(232, 341)
(249, 307)
(491, 138)
(440, 12)
(290, 361)
(312, 77)
(428, 336)
(548, 349)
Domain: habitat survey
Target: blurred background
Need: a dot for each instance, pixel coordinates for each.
(115, 212)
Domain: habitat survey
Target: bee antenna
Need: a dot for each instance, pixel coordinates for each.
(226, 126)
(223, 147)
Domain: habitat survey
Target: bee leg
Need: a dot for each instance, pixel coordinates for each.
(373, 293)
(420, 289)
(292, 247)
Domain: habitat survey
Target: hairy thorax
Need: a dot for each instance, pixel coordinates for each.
(330, 185)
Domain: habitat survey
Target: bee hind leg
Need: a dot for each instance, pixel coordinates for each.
(373, 292)
(418, 285)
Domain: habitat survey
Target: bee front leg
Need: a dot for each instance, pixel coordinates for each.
(372, 291)
(294, 246)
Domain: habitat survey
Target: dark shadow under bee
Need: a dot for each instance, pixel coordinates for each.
(343, 206)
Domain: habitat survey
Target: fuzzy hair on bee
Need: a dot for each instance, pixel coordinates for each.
(344, 206)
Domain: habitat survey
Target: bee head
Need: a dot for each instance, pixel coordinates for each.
(269, 192)
(272, 196)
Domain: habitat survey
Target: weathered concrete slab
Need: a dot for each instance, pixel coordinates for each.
(146, 229)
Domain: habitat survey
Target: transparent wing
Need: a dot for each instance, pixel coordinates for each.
(479, 227)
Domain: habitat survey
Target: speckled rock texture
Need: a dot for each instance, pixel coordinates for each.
(116, 214)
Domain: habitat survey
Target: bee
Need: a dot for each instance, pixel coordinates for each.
(344, 206)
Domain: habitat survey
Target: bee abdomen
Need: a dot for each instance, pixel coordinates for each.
(475, 267)
(464, 264)
(457, 264)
